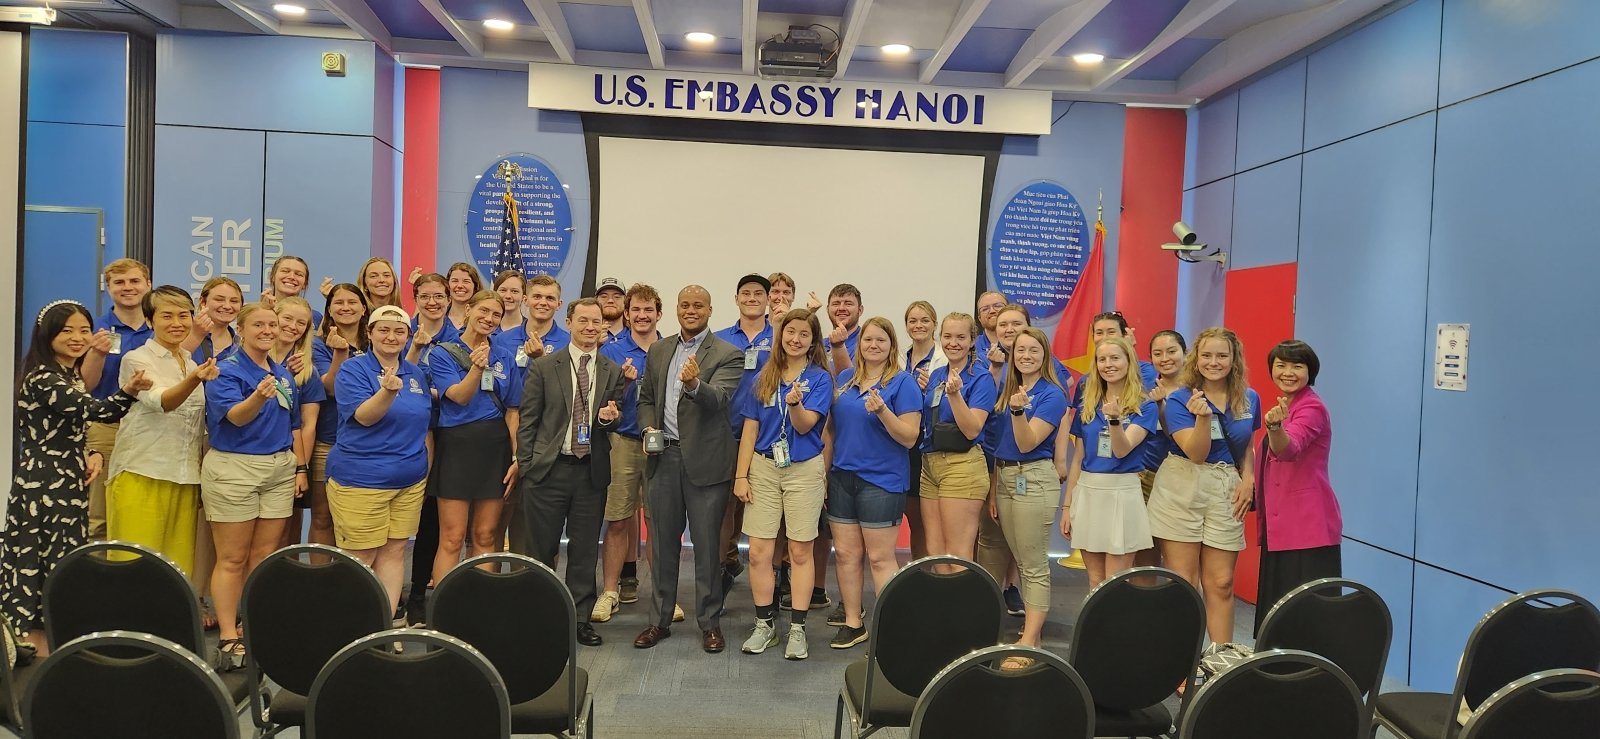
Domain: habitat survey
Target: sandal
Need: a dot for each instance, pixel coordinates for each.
(1016, 663)
(208, 617)
(231, 654)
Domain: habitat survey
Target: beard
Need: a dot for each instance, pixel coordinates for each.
(609, 313)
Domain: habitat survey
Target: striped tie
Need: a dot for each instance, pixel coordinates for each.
(580, 407)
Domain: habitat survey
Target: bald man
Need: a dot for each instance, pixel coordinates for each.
(687, 393)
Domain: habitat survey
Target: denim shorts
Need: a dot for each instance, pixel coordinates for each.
(853, 500)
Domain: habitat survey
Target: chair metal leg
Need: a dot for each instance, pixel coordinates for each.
(838, 717)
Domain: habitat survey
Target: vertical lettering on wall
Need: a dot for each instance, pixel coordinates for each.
(271, 248)
(236, 253)
(201, 268)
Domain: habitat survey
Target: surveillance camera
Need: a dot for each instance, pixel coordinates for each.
(1184, 233)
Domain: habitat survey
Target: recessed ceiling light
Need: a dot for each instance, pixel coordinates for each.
(498, 24)
(895, 49)
(705, 95)
(288, 9)
(1089, 58)
(699, 37)
(867, 104)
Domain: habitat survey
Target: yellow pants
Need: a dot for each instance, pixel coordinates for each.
(156, 513)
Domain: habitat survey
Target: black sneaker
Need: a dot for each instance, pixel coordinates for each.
(1013, 601)
(416, 610)
(848, 637)
(783, 581)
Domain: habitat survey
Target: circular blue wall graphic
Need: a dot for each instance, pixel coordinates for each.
(1038, 247)
(544, 217)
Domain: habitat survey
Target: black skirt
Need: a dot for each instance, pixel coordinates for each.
(469, 461)
(1282, 572)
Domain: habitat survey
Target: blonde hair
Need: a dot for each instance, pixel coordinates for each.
(303, 346)
(771, 376)
(891, 366)
(361, 282)
(926, 307)
(249, 308)
(1190, 375)
(1014, 376)
(125, 264)
(972, 329)
(1095, 386)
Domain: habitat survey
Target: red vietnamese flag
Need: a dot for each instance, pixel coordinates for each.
(1073, 343)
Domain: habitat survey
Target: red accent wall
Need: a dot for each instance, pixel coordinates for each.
(1152, 199)
(1259, 307)
(420, 170)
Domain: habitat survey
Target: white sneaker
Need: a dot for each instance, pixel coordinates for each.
(606, 606)
(677, 614)
(795, 648)
(764, 636)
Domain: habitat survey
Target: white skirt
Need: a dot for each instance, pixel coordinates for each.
(1108, 513)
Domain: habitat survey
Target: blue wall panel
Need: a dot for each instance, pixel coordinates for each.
(1266, 215)
(1514, 216)
(1389, 574)
(1201, 287)
(78, 77)
(1380, 74)
(1445, 608)
(1216, 140)
(328, 223)
(1363, 258)
(266, 82)
(1488, 44)
(81, 166)
(1272, 116)
(215, 175)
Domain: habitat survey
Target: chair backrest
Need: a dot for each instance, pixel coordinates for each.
(446, 689)
(974, 696)
(117, 585)
(1527, 633)
(1160, 627)
(926, 619)
(518, 613)
(1277, 693)
(1558, 704)
(156, 690)
(1352, 629)
(299, 613)
(10, 698)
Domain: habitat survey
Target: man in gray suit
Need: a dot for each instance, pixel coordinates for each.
(687, 392)
(569, 403)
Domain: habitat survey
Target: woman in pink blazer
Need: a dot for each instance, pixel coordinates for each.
(1295, 505)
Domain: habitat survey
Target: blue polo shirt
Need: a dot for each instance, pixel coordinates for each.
(444, 371)
(1227, 432)
(924, 364)
(756, 353)
(850, 343)
(555, 339)
(1090, 434)
(447, 332)
(991, 428)
(772, 414)
(1147, 377)
(131, 339)
(620, 350)
(860, 442)
(393, 452)
(322, 359)
(313, 391)
(977, 389)
(205, 351)
(272, 430)
(1047, 402)
(981, 348)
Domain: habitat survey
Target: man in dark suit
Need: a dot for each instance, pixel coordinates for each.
(569, 403)
(687, 393)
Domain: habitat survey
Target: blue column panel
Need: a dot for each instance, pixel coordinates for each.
(319, 202)
(1391, 575)
(59, 154)
(1361, 303)
(1266, 215)
(1445, 608)
(274, 83)
(208, 217)
(1380, 74)
(1209, 211)
(1488, 44)
(1216, 139)
(77, 77)
(1272, 114)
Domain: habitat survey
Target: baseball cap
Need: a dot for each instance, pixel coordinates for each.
(612, 283)
(753, 277)
(388, 313)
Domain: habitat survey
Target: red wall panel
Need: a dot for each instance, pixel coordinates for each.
(1152, 199)
(419, 199)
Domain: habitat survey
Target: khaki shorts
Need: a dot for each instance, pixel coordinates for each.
(792, 496)
(1194, 503)
(319, 461)
(245, 487)
(367, 518)
(956, 475)
(625, 495)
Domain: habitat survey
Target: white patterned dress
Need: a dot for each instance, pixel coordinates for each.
(48, 513)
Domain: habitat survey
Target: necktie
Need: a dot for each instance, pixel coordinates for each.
(580, 408)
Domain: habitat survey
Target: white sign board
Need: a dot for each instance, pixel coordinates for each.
(1450, 357)
(725, 97)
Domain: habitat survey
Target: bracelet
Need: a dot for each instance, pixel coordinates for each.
(794, 405)
(95, 451)
(302, 469)
(1275, 427)
(1018, 411)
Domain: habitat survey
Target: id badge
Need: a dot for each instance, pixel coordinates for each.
(1216, 428)
(780, 453)
(750, 357)
(938, 395)
(116, 343)
(1022, 485)
(522, 358)
(1104, 448)
(283, 394)
(487, 382)
(581, 435)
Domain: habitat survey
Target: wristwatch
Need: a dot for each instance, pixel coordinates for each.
(1018, 411)
(1115, 421)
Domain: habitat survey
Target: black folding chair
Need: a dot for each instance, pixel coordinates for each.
(445, 689)
(13, 681)
(128, 685)
(1275, 694)
(975, 697)
(1138, 637)
(1352, 629)
(925, 619)
(118, 585)
(1558, 704)
(1526, 634)
(298, 612)
(520, 615)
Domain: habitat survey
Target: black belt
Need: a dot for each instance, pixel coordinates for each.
(571, 459)
(671, 442)
(1013, 462)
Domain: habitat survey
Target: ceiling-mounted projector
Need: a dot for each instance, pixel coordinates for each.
(39, 16)
(798, 54)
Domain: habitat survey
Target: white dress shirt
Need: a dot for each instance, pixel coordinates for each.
(594, 359)
(160, 444)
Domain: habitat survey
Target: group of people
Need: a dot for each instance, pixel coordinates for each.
(492, 417)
